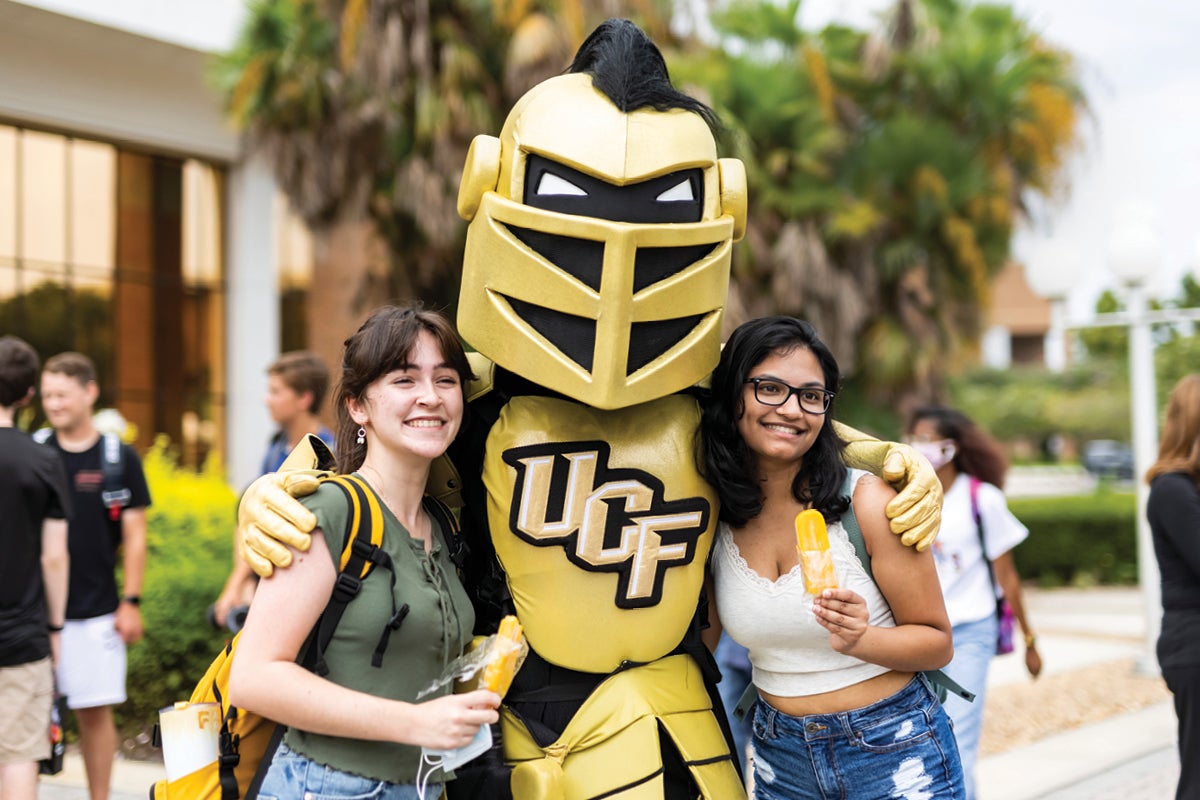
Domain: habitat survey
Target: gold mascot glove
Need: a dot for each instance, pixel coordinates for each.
(916, 512)
(269, 516)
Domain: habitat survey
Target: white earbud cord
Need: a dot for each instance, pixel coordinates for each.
(423, 774)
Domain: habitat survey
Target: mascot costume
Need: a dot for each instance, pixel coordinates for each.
(596, 270)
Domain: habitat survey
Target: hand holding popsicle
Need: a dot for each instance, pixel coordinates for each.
(812, 546)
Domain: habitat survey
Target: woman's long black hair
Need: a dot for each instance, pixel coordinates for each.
(728, 464)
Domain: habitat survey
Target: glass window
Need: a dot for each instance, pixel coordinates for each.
(8, 193)
(293, 270)
(93, 181)
(42, 197)
(119, 255)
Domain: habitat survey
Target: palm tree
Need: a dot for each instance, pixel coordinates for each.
(886, 171)
(365, 109)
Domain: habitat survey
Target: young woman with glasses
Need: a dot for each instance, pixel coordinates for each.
(843, 710)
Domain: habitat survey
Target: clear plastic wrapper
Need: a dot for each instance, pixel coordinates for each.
(490, 664)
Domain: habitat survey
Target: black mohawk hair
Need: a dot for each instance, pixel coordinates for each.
(629, 69)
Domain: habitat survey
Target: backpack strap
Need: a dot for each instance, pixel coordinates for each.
(451, 531)
(114, 493)
(939, 679)
(974, 484)
(361, 551)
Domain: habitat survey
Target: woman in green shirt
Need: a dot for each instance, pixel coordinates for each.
(357, 731)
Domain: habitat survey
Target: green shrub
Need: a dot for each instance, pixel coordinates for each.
(1078, 540)
(189, 551)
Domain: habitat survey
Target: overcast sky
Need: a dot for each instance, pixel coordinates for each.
(1141, 145)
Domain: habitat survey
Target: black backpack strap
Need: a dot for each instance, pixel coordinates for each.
(942, 682)
(451, 531)
(361, 551)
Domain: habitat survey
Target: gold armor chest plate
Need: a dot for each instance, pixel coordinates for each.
(602, 524)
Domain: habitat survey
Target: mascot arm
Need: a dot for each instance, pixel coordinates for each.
(916, 512)
(269, 516)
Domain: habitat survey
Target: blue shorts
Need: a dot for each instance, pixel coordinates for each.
(901, 747)
(292, 776)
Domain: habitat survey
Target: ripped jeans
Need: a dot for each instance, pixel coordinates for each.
(900, 747)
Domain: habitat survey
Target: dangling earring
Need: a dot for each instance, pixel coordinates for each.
(362, 435)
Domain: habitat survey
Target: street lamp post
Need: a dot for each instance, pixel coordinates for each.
(1133, 258)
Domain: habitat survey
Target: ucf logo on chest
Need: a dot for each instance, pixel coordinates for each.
(605, 519)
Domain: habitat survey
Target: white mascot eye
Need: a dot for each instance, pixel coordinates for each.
(680, 191)
(553, 184)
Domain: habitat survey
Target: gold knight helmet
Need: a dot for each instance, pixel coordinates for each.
(601, 224)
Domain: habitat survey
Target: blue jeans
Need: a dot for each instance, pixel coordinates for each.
(292, 776)
(974, 649)
(900, 747)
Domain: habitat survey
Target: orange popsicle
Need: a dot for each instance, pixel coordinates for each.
(502, 661)
(812, 545)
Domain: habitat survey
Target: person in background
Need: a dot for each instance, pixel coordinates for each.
(357, 731)
(1173, 510)
(842, 711)
(99, 622)
(972, 467)
(736, 675)
(297, 383)
(34, 503)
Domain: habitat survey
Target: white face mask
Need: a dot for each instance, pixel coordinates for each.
(939, 454)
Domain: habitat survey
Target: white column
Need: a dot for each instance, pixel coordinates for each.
(252, 303)
(1056, 337)
(1145, 448)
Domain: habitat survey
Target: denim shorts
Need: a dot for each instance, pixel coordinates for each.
(900, 747)
(292, 776)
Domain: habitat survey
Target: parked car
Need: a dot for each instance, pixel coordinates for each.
(1106, 458)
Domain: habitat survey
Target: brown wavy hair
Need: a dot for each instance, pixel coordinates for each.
(384, 343)
(978, 454)
(1179, 446)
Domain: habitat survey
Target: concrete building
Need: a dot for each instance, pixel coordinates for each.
(1017, 324)
(134, 229)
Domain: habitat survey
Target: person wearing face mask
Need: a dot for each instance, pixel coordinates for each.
(973, 555)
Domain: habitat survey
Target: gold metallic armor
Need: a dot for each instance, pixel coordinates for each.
(572, 123)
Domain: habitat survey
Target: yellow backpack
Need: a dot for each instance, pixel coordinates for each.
(247, 741)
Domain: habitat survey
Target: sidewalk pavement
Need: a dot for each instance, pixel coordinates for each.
(1131, 756)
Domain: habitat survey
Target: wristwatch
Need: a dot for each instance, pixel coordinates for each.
(132, 599)
(1030, 641)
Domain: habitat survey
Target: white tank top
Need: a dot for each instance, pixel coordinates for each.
(789, 652)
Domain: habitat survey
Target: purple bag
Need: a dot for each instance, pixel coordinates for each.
(1004, 635)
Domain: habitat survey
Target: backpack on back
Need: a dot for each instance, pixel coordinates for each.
(113, 492)
(247, 740)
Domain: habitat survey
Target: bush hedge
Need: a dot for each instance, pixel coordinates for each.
(1080, 541)
(189, 551)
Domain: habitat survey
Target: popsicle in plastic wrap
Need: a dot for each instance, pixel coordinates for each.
(501, 665)
(812, 545)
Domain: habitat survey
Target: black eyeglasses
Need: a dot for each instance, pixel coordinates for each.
(771, 392)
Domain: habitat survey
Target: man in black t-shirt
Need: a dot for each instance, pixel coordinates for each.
(99, 622)
(34, 503)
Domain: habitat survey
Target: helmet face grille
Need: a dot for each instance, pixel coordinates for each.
(649, 340)
(581, 258)
(574, 336)
(654, 264)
